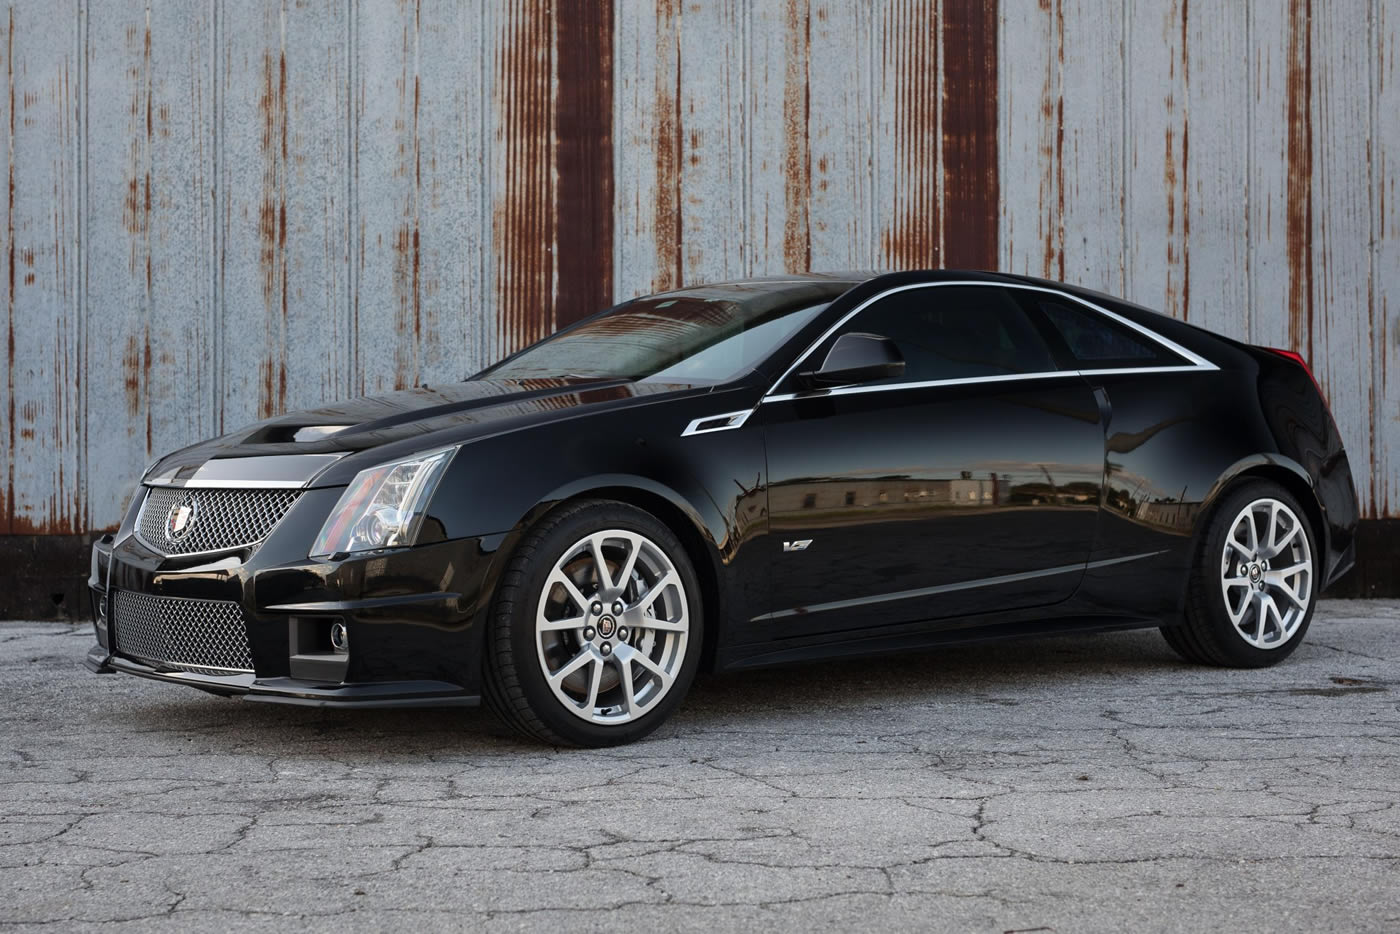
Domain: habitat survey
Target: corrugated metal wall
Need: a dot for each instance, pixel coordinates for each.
(224, 209)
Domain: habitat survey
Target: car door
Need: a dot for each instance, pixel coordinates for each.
(969, 484)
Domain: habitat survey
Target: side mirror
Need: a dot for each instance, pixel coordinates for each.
(855, 358)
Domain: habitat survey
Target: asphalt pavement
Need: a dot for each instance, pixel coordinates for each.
(1090, 783)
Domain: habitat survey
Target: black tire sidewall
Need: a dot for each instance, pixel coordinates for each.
(1210, 601)
(547, 551)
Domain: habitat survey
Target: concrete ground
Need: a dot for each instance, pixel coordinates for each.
(1071, 784)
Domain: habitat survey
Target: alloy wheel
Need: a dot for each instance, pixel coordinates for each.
(612, 626)
(1266, 573)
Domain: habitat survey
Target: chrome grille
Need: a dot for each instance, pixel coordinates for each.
(202, 636)
(218, 521)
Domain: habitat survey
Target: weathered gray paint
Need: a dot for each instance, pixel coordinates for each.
(221, 210)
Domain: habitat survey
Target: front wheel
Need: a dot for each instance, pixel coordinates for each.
(1253, 587)
(596, 628)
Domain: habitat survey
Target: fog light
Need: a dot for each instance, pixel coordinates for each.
(340, 639)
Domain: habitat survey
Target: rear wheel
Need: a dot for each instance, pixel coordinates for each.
(1253, 586)
(596, 629)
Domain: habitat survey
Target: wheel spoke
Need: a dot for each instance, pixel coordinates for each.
(1291, 593)
(605, 581)
(624, 669)
(1277, 575)
(1234, 543)
(1268, 546)
(570, 588)
(1253, 532)
(597, 677)
(625, 575)
(654, 593)
(663, 625)
(571, 666)
(645, 661)
(554, 625)
(1237, 612)
(1282, 543)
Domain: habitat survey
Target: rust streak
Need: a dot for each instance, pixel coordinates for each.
(9, 514)
(913, 240)
(524, 220)
(1299, 223)
(971, 184)
(667, 218)
(407, 245)
(583, 207)
(272, 232)
(797, 156)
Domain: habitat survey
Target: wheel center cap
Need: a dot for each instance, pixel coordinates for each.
(606, 626)
(1254, 572)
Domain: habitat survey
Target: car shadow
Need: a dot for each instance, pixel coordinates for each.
(951, 674)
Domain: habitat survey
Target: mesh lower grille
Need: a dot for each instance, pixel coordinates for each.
(202, 636)
(213, 520)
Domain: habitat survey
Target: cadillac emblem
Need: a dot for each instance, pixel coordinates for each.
(180, 519)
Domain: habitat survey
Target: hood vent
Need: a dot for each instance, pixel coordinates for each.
(317, 432)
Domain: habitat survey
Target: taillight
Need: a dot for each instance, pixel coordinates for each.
(1298, 359)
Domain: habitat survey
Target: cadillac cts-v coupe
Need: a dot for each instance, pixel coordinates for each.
(741, 474)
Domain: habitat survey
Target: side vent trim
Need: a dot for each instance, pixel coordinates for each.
(723, 422)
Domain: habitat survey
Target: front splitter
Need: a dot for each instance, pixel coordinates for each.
(376, 694)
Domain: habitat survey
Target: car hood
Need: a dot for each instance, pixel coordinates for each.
(403, 421)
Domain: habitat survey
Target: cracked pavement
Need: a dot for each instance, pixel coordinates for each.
(1085, 783)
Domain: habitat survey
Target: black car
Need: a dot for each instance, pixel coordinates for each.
(741, 474)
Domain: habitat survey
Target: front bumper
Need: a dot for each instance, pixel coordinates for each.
(413, 616)
(292, 690)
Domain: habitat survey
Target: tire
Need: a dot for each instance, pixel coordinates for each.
(1246, 607)
(562, 665)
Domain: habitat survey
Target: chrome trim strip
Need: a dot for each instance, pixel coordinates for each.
(269, 472)
(729, 420)
(1197, 361)
(949, 588)
(887, 387)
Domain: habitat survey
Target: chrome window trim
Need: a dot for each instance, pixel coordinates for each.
(1198, 363)
(732, 420)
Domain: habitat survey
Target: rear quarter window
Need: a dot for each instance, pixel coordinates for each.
(1097, 342)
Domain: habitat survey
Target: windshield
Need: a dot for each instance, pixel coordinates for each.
(710, 334)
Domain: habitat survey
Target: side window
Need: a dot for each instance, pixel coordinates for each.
(1098, 342)
(953, 332)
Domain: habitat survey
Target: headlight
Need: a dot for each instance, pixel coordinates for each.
(383, 506)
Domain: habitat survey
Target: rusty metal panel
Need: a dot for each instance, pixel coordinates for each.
(712, 170)
(1385, 258)
(809, 86)
(281, 73)
(907, 154)
(220, 210)
(550, 166)
(1310, 206)
(646, 162)
(1062, 167)
(147, 236)
(1187, 182)
(681, 175)
(40, 419)
(841, 206)
(418, 129)
(1340, 349)
(778, 106)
